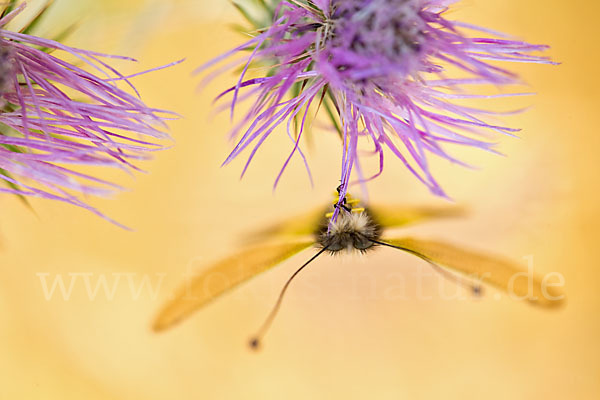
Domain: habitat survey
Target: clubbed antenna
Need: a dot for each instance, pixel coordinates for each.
(256, 340)
(474, 288)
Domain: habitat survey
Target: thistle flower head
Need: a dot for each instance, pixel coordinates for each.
(55, 114)
(378, 67)
(380, 39)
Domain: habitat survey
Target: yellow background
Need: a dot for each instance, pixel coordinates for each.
(338, 335)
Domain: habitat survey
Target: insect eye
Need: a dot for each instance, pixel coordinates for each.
(361, 243)
(335, 246)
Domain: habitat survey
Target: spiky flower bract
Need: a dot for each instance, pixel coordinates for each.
(55, 114)
(379, 68)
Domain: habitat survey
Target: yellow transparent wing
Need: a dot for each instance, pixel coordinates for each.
(223, 276)
(301, 225)
(394, 216)
(386, 215)
(501, 273)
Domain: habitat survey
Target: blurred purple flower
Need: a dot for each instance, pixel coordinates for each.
(377, 66)
(54, 114)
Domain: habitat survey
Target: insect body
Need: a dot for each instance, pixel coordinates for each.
(355, 229)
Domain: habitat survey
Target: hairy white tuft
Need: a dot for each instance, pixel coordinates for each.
(350, 231)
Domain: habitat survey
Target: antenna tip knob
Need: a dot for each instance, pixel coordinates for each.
(254, 343)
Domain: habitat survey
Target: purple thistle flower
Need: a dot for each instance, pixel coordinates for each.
(378, 67)
(55, 114)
